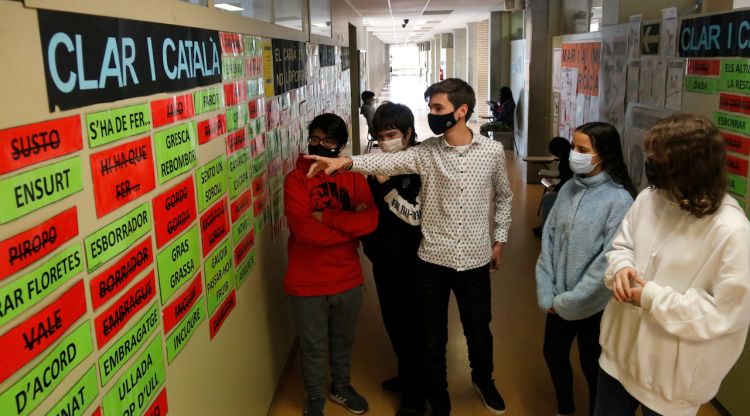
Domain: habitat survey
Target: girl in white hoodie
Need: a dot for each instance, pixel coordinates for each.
(680, 273)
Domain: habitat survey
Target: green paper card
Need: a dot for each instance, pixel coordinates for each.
(132, 393)
(240, 227)
(178, 262)
(211, 181)
(732, 122)
(128, 345)
(26, 192)
(245, 268)
(79, 398)
(219, 275)
(175, 151)
(239, 173)
(182, 333)
(233, 68)
(111, 125)
(25, 292)
(701, 85)
(735, 75)
(737, 184)
(207, 100)
(117, 236)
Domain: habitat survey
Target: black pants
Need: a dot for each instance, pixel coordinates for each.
(558, 338)
(397, 293)
(614, 400)
(472, 291)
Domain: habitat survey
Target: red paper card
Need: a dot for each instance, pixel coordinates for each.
(33, 143)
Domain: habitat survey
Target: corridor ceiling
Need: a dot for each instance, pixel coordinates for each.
(384, 18)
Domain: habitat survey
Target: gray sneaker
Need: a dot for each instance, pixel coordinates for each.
(349, 398)
(314, 406)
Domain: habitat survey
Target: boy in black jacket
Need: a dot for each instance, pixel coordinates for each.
(392, 248)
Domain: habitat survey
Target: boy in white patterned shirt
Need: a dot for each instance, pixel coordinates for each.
(458, 168)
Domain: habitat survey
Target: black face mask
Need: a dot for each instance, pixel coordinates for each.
(439, 124)
(653, 173)
(320, 150)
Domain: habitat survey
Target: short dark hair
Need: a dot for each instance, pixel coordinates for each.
(394, 116)
(332, 125)
(688, 152)
(459, 93)
(606, 141)
(366, 95)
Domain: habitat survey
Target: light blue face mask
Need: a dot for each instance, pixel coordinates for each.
(580, 163)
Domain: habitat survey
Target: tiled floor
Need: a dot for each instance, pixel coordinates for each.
(518, 326)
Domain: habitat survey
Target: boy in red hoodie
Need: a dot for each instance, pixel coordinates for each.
(327, 214)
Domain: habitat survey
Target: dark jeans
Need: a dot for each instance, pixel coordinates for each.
(397, 293)
(558, 338)
(472, 291)
(613, 400)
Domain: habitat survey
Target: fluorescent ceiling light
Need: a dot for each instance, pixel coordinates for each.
(228, 7)
(320, 24)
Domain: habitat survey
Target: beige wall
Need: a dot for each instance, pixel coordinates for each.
(236, 373)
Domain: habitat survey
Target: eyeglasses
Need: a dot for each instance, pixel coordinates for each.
(327, 142)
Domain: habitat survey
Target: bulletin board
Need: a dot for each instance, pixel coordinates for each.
(142, 235)
(694, 64)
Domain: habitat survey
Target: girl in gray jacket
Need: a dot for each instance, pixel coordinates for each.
(570, 270)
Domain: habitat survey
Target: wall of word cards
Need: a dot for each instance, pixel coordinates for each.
(142, 235)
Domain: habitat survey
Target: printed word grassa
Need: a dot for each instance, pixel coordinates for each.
(180, 59)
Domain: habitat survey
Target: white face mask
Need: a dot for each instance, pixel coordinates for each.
(391, 146)
(580, 163)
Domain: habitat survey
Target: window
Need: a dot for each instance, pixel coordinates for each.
(256, 9)
(320, 17)
(288, 13)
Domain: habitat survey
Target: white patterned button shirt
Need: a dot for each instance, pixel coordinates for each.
(455, 197)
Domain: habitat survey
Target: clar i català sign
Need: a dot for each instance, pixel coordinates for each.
(93, 59)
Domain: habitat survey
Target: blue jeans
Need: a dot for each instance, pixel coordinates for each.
(472, 291)
(613, 400)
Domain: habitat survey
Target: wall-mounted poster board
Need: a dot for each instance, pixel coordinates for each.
(142, 235)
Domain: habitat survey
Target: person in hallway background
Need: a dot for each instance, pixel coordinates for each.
(326, 216)
(392, 249)
(680, 273)
(579, 231)
(560, 148)
(368, 110)
(503, 112)
(458, 169)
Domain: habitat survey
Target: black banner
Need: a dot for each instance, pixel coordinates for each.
(344, 58)
(327, 55)
(289, 59)
(92, 59)
(726, 34)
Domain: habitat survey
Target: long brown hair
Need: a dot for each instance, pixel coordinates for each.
(606, 141)
(688, 157)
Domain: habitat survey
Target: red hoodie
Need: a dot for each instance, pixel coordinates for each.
(323, 257)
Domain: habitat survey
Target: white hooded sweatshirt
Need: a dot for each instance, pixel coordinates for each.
(672, 353)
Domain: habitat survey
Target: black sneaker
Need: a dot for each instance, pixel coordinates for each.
(492, 400)
(349, 398)
(314, 406)
(393, 384)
